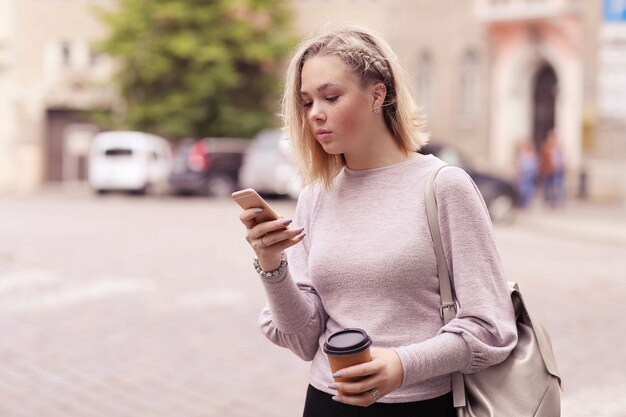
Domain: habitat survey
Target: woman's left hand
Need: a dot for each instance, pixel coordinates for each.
(384, 373)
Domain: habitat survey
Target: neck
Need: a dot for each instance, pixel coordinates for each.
(377, 152)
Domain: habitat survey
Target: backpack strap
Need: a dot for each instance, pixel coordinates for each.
(448, 305)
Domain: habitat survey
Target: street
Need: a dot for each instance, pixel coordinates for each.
(123, 306)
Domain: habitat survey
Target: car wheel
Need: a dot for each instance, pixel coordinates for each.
(141, 191)
(157, 189)
(502, 209)
(221, 186)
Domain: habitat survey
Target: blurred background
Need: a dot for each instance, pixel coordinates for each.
(126, 287)
(492, 75)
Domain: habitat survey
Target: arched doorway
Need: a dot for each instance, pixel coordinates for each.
(544, 101)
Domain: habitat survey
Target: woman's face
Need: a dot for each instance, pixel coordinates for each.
(338, 108)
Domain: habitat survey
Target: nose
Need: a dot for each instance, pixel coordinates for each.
(316, 114)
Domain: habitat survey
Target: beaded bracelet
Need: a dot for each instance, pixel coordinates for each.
(271, 274)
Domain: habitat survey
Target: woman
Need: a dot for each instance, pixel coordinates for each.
(361, 253)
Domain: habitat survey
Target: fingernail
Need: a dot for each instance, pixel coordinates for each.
(335, 398)
(257, 210)
(332, 386)
(337, 375)
(301, 236)
(287, 222)
(300, 230)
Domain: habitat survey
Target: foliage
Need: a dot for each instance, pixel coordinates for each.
(198, 67)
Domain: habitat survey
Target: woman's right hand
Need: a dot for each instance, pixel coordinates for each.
(269, 239)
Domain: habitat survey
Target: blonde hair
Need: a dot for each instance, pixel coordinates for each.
(372, 60)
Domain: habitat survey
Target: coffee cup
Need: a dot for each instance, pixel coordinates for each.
(345, 348)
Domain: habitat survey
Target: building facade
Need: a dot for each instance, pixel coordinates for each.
(50, 76)
(490, 74)
(494, 73)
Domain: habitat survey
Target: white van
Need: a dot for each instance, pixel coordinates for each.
(129, 161)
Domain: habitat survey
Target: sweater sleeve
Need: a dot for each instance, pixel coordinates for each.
(483, 333)
(294, 316)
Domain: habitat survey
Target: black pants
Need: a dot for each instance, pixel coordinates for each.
(320, 404)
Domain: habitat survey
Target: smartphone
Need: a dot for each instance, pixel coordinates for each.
(249, 198)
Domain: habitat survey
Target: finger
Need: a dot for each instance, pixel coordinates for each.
(249, 224)
(271, 226)
(247, 217)
(276, 237)
(258, 246)
(249, 214)
(358, 371)
(362, 400)
(358, 387)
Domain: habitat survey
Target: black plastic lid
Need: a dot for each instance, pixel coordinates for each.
(347, 342)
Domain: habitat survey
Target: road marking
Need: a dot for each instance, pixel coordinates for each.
(11, 280)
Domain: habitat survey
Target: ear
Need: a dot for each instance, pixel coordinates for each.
(379, 92)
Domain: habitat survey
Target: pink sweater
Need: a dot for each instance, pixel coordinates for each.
(368, 261)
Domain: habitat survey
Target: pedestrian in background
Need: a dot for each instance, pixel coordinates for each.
(361, 254)
(553, 171)
(527, 171)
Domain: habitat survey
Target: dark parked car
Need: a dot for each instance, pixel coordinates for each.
(499, 194)
(208, 166)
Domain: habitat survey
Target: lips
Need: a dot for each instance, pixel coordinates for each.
(322, 134)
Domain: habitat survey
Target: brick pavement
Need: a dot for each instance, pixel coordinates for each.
(141, 307)
(114, 307)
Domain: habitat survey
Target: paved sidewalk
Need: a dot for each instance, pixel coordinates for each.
(146, 307)
(602, 223)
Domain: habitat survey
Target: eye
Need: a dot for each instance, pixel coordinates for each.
(307, 103)
(332, 98)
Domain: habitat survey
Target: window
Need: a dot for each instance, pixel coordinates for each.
(425, 81)
(469, 87)
(115, 152)
(66, 53)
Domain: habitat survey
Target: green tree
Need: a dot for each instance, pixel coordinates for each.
(198, 67)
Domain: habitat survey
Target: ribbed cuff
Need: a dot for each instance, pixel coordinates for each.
(440, 355)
